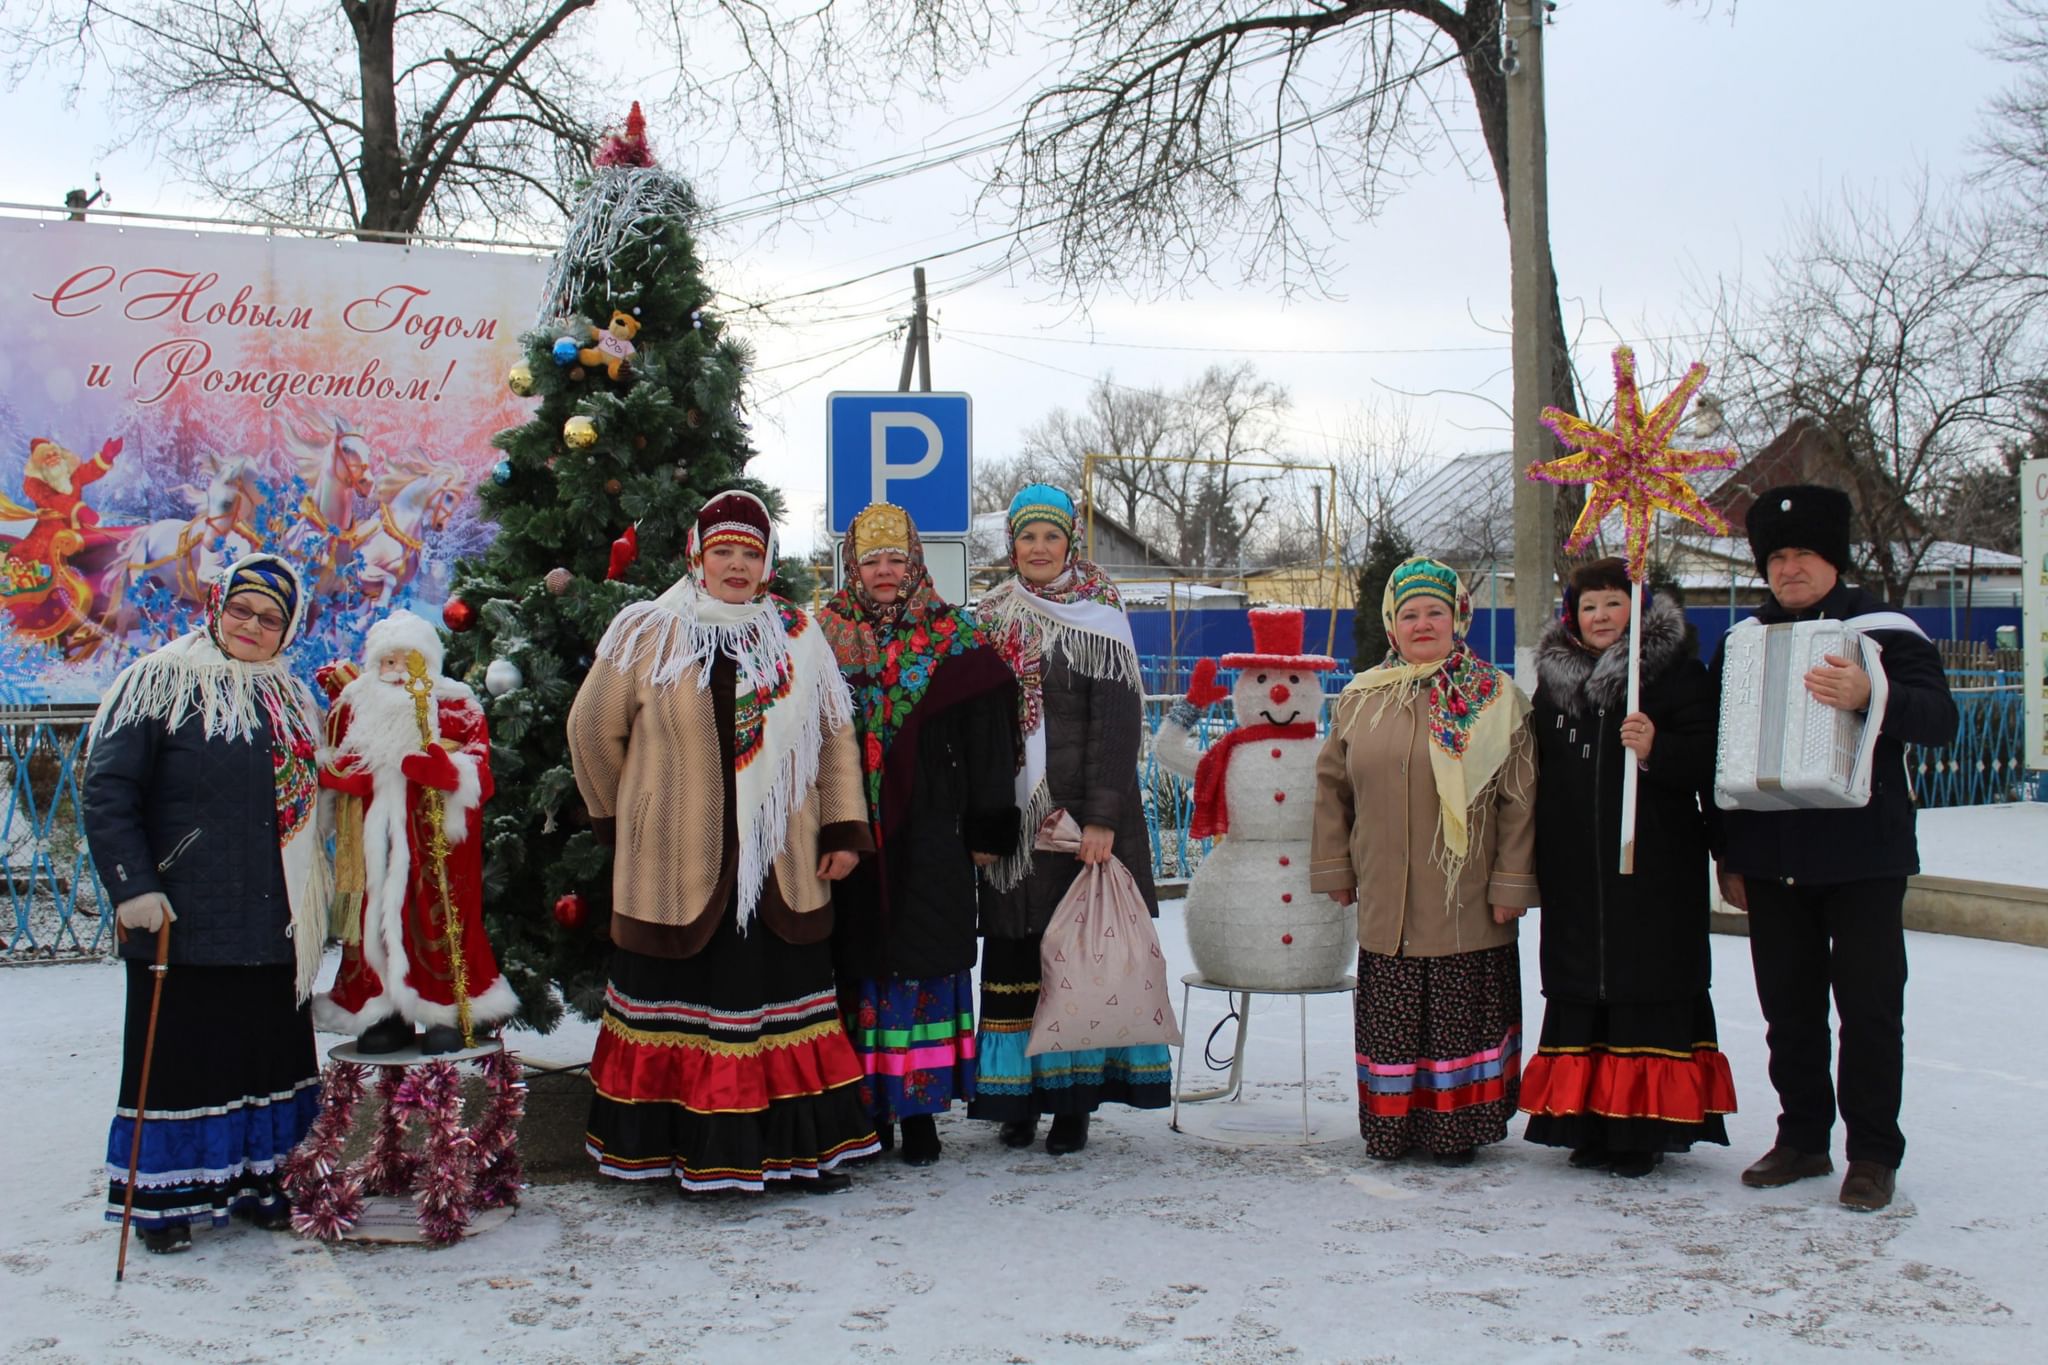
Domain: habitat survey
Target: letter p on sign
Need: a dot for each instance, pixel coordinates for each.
(882, 472)
(912, 449)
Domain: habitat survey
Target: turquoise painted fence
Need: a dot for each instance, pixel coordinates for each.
(59, 908)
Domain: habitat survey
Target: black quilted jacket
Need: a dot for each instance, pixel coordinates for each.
(195, 819)
(1093, 731)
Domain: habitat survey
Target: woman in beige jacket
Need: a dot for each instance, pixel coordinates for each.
(1425, 794)
(713, 743)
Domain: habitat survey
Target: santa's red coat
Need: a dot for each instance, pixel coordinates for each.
(403, 964)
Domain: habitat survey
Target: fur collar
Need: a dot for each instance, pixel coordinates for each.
(1581, 682)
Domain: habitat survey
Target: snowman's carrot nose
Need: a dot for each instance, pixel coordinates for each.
(1279, 694)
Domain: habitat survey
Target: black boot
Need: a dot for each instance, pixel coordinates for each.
(921, 1140)
(389, 1034)
(1069, 1133)
(1635, 1165)
(1020, 1132)
(885, 1133)
(826, 1182)
(440, 1038)
(168, 1238)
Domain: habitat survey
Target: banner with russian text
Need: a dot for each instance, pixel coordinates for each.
(170, 400)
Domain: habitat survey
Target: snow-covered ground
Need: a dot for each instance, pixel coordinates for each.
(1151, 1245)
(2006, 844)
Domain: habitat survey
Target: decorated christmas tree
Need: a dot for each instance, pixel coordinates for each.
(639, 420)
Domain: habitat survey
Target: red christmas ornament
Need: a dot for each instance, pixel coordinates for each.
(570, 911)
(625, 550)
(458, 615)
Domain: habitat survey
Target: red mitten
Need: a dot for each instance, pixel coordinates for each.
(110, 449)
(1202, 688)
(432, 768)
(354, 782)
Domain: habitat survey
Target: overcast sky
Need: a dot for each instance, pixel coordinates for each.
(1682, 149)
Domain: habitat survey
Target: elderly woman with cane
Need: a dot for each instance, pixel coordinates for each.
(199, 799)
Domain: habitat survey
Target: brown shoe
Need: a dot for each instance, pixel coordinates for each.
(1782, 1165)
(1868, 1187)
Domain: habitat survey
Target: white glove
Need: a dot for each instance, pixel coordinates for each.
(146, 912)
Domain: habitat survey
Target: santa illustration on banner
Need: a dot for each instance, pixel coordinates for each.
(409, 766)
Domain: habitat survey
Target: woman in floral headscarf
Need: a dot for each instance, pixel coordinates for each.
(937, 713)
(1425, 793)
(1060, 625)
(199, 803)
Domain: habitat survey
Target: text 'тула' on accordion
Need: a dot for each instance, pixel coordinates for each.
(1780, 747)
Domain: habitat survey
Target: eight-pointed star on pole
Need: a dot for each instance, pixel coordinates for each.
(1632, 466)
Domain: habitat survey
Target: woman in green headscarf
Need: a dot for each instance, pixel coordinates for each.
(1425, 798)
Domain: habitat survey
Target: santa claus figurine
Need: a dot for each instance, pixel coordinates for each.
(1251, 920)
(409, 767)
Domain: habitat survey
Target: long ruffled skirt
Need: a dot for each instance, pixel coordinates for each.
(725, 1070)
(1439, 1050)
(1628, 1078)
(1010, 1084)
(234, 1084)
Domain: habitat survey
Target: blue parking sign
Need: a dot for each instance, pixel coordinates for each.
(912, 449)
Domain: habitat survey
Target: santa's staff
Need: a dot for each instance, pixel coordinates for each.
(421, 688)
(1632, 468)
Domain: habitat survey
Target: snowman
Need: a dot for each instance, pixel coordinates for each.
(1252, 922)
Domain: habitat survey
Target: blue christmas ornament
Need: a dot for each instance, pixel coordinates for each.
(565, 350)
(501, 472)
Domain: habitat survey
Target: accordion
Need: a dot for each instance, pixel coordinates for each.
(1779, 747)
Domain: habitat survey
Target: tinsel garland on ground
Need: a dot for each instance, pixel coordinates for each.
(455, 1173)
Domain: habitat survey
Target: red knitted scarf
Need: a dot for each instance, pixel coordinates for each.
(1212, 813)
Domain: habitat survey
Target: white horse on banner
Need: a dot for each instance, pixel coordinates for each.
(184, 555)
(414, 499)
(334, 462)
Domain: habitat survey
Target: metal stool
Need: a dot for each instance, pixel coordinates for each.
(1233, 1087)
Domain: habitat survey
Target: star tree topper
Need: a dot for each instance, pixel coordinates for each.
(1632, 466)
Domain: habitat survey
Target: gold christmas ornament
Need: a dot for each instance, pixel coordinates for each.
(580, 433)
(520, 381)
(612, 486)
(559, 581)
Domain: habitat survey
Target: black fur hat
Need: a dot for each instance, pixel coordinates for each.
(1800, 516)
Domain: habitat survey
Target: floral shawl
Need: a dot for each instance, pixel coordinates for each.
(890, 653)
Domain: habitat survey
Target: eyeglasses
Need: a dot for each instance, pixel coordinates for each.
(242, 614)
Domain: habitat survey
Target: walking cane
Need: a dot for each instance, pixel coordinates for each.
(159, 968)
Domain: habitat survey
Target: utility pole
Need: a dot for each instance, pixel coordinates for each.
(1529, 254)
(917, 343)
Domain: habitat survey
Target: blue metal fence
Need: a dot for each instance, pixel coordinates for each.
(59, 906)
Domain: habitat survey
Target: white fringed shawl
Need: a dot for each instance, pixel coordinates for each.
(1089, 632)
(687, 629)
(191, 679)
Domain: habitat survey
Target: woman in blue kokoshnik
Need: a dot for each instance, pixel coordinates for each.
(199, 800)
(1059, 623)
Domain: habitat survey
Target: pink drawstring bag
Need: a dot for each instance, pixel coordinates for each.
(1102, 979)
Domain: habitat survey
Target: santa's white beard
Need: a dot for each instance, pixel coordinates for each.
(57, 476)
(383, 727)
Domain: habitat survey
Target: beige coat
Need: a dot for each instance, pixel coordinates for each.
(654, 766)
(1376, 832)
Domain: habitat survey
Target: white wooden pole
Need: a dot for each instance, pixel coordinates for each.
(1629, 768)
